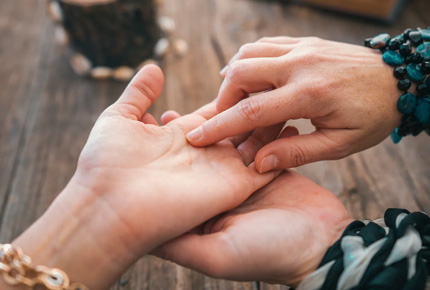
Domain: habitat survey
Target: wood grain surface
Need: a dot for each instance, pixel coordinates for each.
(381, 9)
(46, 113)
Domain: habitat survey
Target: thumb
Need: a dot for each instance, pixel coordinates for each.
(294, 151)
(140, 93)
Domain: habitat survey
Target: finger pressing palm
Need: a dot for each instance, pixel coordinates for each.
(152, 183)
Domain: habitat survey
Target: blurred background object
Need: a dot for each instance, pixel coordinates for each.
(112, 38)
(385, 10)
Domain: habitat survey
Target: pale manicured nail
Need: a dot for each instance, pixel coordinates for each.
(224, 70)
(163, 115)
(269, 163)
(195, 134)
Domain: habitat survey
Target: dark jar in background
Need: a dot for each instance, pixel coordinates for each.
(109, 38)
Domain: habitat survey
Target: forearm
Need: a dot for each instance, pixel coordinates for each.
(74, 236)
(317, 253)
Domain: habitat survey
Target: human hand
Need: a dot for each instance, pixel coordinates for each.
(137, 185)
(279, 235)
(347, 91)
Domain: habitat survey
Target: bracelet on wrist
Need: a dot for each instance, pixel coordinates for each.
(409, 54)
(16, 270)
(389, 253)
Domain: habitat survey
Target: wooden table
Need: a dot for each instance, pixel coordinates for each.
(46, 113)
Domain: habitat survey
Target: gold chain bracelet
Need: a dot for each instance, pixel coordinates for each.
(17, 270)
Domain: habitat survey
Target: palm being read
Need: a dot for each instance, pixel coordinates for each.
(154, 182)
(279, 235)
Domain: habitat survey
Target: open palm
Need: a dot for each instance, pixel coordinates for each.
(279, 235)
(152, 182)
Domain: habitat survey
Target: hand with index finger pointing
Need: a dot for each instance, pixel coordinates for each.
(347, 91)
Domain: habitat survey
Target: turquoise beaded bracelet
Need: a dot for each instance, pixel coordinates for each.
(409, 67)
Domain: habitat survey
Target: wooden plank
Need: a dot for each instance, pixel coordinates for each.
(264, 286)
(24, 41)
(153, 273)
(67, 103)
(46, 113)
(193, 80)
(382, 9)
(421, 8)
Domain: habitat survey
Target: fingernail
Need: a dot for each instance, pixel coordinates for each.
(269, 163)
(224, 70)
(195, 134)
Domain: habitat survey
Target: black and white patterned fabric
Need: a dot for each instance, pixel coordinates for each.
(390, 253)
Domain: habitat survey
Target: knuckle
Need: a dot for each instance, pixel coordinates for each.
(126, 110)
(235, 71)
(249, 110)
(144, 88)
(297, 156)
(336, 146)
(342, 149)
(311, 41)
(245, 50)
(265, 39)
(212, 125)
(276, 39)
(308, 58)
(327, 87)
(316, 87)
(314, 39)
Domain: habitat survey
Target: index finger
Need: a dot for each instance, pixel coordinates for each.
(258, 50)
(257, 111)
(207, 111)
(249, 76)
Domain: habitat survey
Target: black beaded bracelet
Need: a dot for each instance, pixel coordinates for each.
(390, 253)
(409, 67)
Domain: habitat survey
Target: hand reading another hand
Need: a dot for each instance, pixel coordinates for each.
(137, 185)
(279, 235)
(347, 92)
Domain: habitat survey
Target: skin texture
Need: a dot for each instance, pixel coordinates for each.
(347, 92)
(140, 187)
(137, 185)
(279, 235)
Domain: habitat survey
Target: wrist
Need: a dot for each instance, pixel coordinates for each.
(368, 252)
(319, 251)
(75, 235)
(407, 53)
